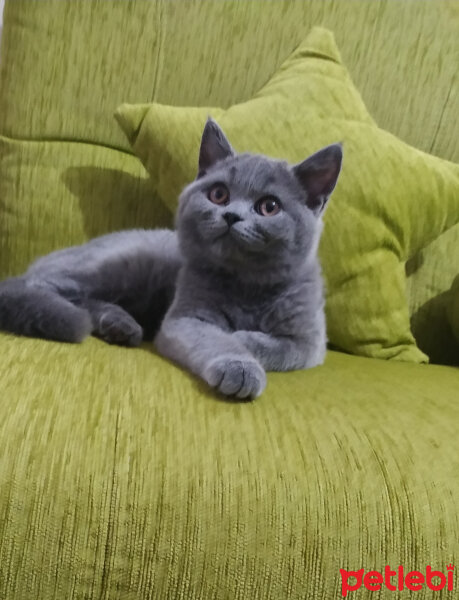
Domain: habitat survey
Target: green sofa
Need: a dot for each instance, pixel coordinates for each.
(124, 477)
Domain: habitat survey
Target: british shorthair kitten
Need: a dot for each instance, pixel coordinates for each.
(234, 292)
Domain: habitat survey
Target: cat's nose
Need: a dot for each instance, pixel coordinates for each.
(231, 218)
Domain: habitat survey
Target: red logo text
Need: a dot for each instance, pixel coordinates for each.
(396, 580)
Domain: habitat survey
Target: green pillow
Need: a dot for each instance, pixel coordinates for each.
(390, 201)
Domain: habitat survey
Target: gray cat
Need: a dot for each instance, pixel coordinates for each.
(236, 291)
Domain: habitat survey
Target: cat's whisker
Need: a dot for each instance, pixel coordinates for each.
(249, 235)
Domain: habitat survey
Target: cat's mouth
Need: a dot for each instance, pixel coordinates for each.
(245, 240)
(248, 238)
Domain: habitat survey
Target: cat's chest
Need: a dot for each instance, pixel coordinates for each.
(252, 310)
(248, 314)
(234, 307)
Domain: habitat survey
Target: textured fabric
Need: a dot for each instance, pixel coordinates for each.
(390, 201)
(452, 311)
(49, 202)
(431, 273)
(122, 477)
(66, 65)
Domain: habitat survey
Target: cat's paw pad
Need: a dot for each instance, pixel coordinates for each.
(236, 377)
(119, 328)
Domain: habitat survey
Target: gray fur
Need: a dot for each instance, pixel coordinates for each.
(238, 293)
(117, 287)
(249, 297)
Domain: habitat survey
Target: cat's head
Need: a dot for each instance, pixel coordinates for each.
(254, 213)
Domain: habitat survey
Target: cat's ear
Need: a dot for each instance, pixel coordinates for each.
(318, 175)
(214, 146)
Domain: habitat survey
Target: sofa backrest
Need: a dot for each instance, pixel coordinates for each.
(67, 65)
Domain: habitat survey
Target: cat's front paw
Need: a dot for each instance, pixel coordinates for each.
(243, 378)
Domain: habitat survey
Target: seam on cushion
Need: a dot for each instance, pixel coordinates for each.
(159, 54)
(66, 141)
(440, 119)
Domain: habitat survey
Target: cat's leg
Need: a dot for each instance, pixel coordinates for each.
(284, 353)
(39, 311)
(113, 324)
(212, 354)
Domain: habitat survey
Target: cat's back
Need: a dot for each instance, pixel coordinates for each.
(137, 245)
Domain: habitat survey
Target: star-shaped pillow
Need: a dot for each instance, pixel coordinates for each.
(391, 199)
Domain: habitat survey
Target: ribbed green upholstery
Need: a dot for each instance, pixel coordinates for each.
(371, 226)
(121, 476)
(201, 52)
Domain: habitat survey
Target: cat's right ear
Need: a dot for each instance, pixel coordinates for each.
(214, 147)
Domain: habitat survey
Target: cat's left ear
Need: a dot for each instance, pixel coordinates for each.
(214, 146)
(318, 175)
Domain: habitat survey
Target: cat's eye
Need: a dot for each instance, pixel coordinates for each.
(268, 206)
(219, 194)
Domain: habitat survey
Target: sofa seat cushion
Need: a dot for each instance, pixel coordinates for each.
(122, 476)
